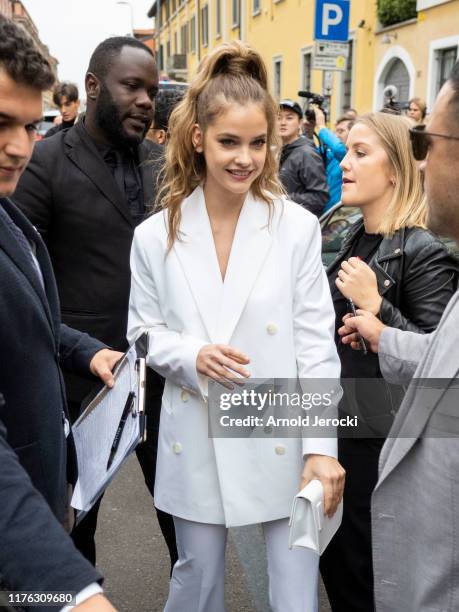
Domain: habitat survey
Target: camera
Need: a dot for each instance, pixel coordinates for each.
(313, 98)
(391, 104)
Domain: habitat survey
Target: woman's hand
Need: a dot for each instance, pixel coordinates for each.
(222, 363)
(357, 281)
(330, 473)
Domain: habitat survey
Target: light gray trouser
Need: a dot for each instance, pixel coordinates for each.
(198, 577)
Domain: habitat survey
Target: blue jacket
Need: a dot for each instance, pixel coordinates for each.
(332, 150)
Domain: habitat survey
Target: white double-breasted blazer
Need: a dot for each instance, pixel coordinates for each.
(275, 306)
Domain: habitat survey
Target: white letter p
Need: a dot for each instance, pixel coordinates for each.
(332, 15)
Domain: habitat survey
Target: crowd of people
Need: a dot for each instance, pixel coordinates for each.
(197, 223)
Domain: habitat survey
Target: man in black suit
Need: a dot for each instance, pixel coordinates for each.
(86, 189)
(35, 457)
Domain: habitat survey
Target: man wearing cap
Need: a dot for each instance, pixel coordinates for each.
(301, 169)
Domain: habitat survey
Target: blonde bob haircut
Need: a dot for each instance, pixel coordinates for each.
(231, 73)
(420, 104)
(408, 206)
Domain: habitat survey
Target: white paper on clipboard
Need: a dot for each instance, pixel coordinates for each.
(95, 430)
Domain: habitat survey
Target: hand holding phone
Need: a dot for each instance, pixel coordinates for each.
(361, 340)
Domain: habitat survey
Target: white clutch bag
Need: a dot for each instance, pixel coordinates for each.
(309, 527)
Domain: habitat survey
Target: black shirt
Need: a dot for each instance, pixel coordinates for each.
(124, 165)
(354, 364)
(367, 398)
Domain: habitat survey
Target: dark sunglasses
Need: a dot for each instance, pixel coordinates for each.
(420, 140)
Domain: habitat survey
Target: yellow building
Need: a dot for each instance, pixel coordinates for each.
(283, 32)
(414, 55)
(14, 9)
(417, 55)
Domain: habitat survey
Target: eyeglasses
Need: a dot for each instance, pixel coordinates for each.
(420, 140)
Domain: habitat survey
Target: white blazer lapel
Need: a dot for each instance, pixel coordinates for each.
(251, 244)
(198, 258)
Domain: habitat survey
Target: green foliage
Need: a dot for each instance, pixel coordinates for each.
(395, 11)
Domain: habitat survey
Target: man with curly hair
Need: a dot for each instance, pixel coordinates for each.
(36, 554)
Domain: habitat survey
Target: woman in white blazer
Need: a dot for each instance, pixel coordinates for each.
(228, 282)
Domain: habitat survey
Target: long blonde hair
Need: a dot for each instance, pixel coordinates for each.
(231, 73)
(408, 207)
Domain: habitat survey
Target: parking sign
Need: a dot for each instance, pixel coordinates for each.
(332, 20)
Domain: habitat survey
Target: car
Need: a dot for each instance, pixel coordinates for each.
(179, 85)
(336, 222)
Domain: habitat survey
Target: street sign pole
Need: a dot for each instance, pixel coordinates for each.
(327, 83)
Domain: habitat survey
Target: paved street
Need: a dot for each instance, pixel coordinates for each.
(134, 559)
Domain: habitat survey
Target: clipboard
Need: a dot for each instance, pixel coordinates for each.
(95, 431)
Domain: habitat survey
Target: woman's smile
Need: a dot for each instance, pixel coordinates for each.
(239, 175)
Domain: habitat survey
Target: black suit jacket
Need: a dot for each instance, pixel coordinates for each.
(69, 193)
(35, 552)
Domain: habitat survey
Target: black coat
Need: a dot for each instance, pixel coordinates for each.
(65, 125)
(35, 552)
(69, 193)
(302, 173)
(416, 277)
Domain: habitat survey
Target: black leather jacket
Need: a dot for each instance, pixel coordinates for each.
(416, 278)
(416, 275)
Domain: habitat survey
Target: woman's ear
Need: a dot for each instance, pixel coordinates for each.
(162, 136)
(197, 138)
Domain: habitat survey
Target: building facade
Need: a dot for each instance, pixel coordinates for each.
(415, 54)
(147, 37)
(14, 9)
(6, 8)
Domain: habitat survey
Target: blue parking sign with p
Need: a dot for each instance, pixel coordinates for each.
(332, 20)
